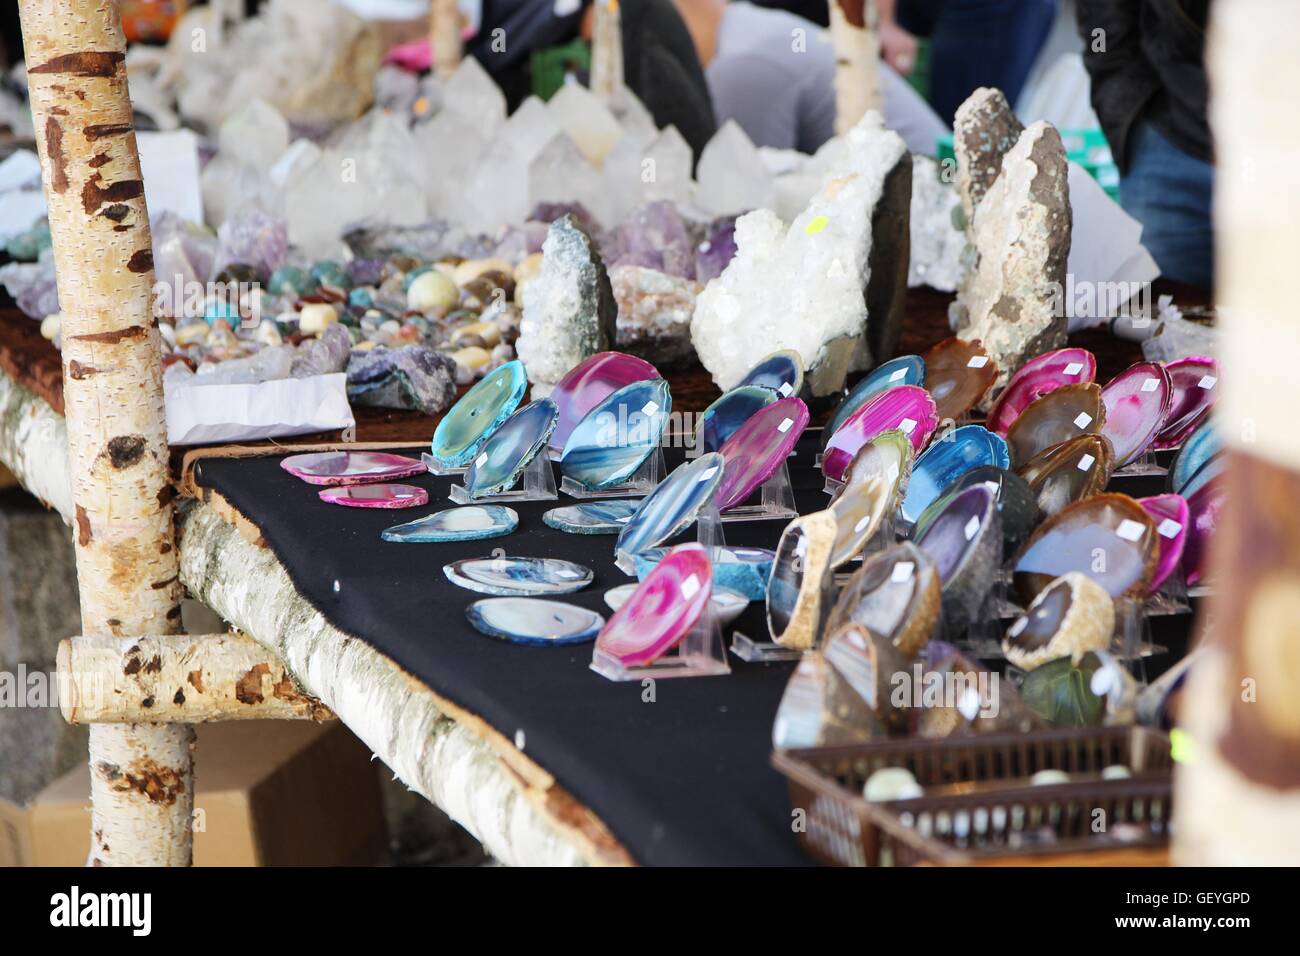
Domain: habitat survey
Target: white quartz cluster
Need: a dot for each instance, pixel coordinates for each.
(801, 286)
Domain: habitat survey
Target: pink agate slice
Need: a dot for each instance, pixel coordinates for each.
(1194, 381)
(662, 610)
(1040, 375)
(1171, 517)
(757, 448)
(350, 467)
(909, 408)
(1137, 402)
(1203, 508)
(589, 383)
(376, 496)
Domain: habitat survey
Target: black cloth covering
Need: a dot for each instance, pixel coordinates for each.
(683, 780)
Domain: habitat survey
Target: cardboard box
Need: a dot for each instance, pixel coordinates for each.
(268, 793)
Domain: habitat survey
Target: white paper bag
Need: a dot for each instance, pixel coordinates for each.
(209, 414)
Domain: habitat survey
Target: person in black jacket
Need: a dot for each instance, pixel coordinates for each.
(1149, 90)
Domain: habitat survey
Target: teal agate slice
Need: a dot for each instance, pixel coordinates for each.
(479, 413)
(946, 460)
(739, 569)
(673, 506)
(512, 446)
(534, 621)
(618, 435)
(469, 523)
(591, 517)
(729, 412)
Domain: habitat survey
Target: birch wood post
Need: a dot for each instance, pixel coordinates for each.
(127, 569)
(444, 37)
(857, 63)
(606, 49)
(1238, 799)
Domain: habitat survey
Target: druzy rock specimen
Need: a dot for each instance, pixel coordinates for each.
(937, 242)
(654, 314)
(569, 309)
(808, 286)
(1022, 239)
(983, 132)
(415, 377)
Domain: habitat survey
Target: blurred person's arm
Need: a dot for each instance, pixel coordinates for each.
(896, 45)
(1123, 82)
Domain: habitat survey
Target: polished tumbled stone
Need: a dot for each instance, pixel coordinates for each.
(618, 435)
(673, 506)
(507, 453)
(534, 621)
(591, 517)
(948, 458)
(523, 577)
(478, 413)
(468, 523)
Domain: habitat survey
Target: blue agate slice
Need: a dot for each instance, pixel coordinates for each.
(534, 621)
(947, 459)
(673, 506)
(904, 370)
(505, 455)
(522, 577)
(1201, 446)
(618, 435)
(470, 523)
(781, 371)
(743, 570)
(729, 412)
(591, 517)
(478, 413)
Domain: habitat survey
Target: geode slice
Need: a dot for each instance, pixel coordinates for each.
(1058, 416)
(896, 594)
(1070, 617)
(907, 408)
(1172, 517)
(965, 542)
(569, 308)
(904, 370)
(958, 375)
(1022, 238)
(983, 132)
(953, 695)
(414, 377)
(796, 590)
(946, 460)
(1069, 472)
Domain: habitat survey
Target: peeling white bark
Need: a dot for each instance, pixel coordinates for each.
(34, 446)
(606, 49)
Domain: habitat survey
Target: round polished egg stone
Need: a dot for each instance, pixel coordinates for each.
(896, 594)
(948, 458)
(781, 371)
(1069, 472)
(1070, 617)
(797, 587)
(903, 370)
(958, 374)
(291, 281)
(1017, 507)
(906, 408)
(1137, 401)
(468, 523)
(478, 413)
(1108, 537)
(1172, 517)
(1062, 414)
(721, 419)
(615, 438)
(330, 273)
(965, 542)
(1194, 381)
(1040, 375)
(589, 383)
(510, 448)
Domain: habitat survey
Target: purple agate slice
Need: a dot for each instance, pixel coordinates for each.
(350, 467)
(1137, 401)
(1171, 518)
(662, 610)
(1193, 379)
(758, 447)
(376, 496)
(1036, 378)
(589, 383)
(909, 408)
(1203, 517)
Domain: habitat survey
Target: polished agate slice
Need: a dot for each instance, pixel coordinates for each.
(1069, 472)
(887, 456)
(721, 419)
(591, 517)
(375, 496)
(907, 408)
(662, 610)
(904, 370)
(859, 510)
(506, 454)
(758, 448)
(958, 375)
(468, 523)
(1094, 691)
(743, 570)
(1202, 445)
(1040, 375)
(1064, 413)
(1070, 617)
(535, 621)
(1193, 380)
(1203, 509)
(522, 577)
(978, 704)
(1137, 401)
(477, 414)
(588, 384)
(727, 604)
(1108, 537)
(338, 468)
(948, 458)
(896, 594)
(673, 506)
(1017, 506)
(1172, 518)
(965, 543)
(1210, 471)
(618, 435)
(781, 371)
(797, 584)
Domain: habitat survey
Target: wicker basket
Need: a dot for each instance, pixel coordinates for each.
(979, 807)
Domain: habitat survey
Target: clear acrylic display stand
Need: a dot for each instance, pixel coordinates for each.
(775, 501)
(1171, 598)
(643, 481)
(536, 484)
(1132, 638)
(698, 654)
(431, 465)
(1144, 464)
(832, 487)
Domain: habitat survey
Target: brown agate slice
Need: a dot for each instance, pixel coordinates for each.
(1108, 537)
(958, 374)
(1069, 472)
(896, 594)
(1067, 412)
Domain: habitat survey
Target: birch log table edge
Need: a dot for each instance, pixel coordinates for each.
(455, 760)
